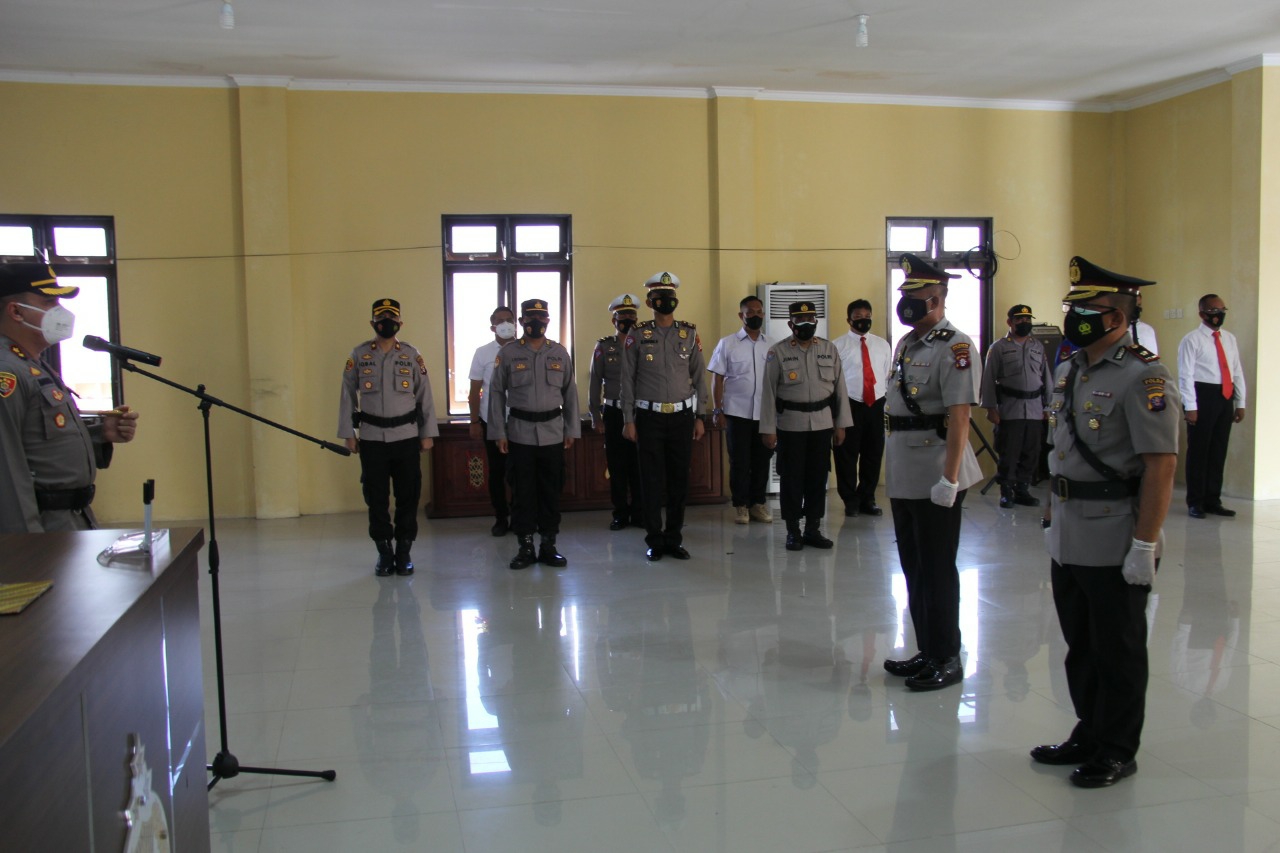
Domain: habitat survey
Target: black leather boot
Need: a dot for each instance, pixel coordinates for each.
(795, 542)
(1006, 497)
(404, 563)
(813, 534)
(1023, 497)
(526, 556)
(386, 558)
(548, 555)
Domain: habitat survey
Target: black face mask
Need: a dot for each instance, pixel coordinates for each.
(861, 326)
(534, 328)
(1215, 320)
(624, 324)
(665, 304)
(386, 328)
(1085, 329)
(1022, 329)
(805, 331)
(754, 323)
(912, 310)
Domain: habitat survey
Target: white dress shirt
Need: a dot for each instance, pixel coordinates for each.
(740, 361)
(850, 349)
(1198, 362)
(482, 368)
(1146, 336)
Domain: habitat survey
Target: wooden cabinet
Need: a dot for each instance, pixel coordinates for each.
(460, 470)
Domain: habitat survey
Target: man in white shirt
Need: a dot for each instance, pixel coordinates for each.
(503, 325)
(1211, 382)
(858, 458)
(738, 367)
(1143, 334)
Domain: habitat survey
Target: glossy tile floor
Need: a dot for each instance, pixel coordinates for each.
(735, 702)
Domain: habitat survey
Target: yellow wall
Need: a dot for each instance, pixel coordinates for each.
(651, 183)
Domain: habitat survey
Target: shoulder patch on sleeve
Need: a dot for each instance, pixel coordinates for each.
(961, 352)
(351, 365)
(422, 365)
(8, 384)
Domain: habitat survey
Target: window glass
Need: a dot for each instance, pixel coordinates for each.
(79, 242)
(908, 238)
(537, 239)
(960, 238)
(17, 240)
(473, 239)
(475, 295)
(88, 373)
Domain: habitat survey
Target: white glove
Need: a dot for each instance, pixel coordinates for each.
(1140, 563)
(943, 492)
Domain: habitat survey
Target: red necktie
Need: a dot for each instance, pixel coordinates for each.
(1228, 387)
(868, 376)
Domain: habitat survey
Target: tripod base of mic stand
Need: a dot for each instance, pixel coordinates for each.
(227, 766)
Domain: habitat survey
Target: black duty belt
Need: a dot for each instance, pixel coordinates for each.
(899, 423)
(1093, 490)
(536, 417)
(385, 423)
(1018, 393)
(816, 406)
(53, 499)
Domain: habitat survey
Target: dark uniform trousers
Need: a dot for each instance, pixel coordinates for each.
(928, 536)
(497, 477)
(804, 460)
(665, 447)
(386, 467)
(1207, 445)
(537, 478)
(624, 469)
(859, 456)
(1105, 625)
(748, 461)
(1018, 443)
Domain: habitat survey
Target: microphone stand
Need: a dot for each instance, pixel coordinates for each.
(225, 765)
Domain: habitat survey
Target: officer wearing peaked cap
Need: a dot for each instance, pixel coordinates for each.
(930, 466)
(804, 412)
(533, 415)
(387, 415)
(662, 385)
(604, 397)
(48, 455)
(1015, 393)
(1114, 436)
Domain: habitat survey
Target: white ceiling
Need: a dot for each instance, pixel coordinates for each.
(1072, 51)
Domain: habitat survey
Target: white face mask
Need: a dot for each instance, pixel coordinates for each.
(57, 325)
(505, 330)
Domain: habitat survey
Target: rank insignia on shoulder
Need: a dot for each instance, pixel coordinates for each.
(644, 324)
(17, 350)
(940, 335)
(599, 351)
(35, 371)
(630, 342)
(686, 324)
(1143, 354)
(8, 384)
(351, 364)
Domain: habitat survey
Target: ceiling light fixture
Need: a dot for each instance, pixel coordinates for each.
(861, 39)
(227, 17)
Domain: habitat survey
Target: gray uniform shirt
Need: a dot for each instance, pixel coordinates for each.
(387, 385)
(1125, 405)
(803, 375)
(43, 441)
(606, 373)
(937, 372)
(532, 380)
(1019, 367)
(661, 366)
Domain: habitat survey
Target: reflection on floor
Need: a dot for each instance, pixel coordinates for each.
(735, 702)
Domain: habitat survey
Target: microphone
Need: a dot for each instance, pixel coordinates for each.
(97, 344)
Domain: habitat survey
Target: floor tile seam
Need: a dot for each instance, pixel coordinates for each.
(840, 802)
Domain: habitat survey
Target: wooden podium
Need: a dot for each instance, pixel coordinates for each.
(460, 470)
(109, 654)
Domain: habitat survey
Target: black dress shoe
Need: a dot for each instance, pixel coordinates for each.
(386, 558)
(1102, 772)
(908, 667)
(404, 560)
(678, 552)
(526, 556)
(500, 527)
(653, 555)
(617, 524)
(870, 509)
(1067, 752)
(1195, 512)
(851, 512)
(1025, 499)
(1220, 510)
(814, 538)
(549, 556)
(795, 542)
(937, 674)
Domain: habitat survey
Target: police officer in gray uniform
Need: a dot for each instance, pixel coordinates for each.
(1015, 392)
(930, 465)
(604, 398)
(804, 411)
(1114, 432)
(663, 378)
(50, 456)
(533, 416)
(386, 399)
